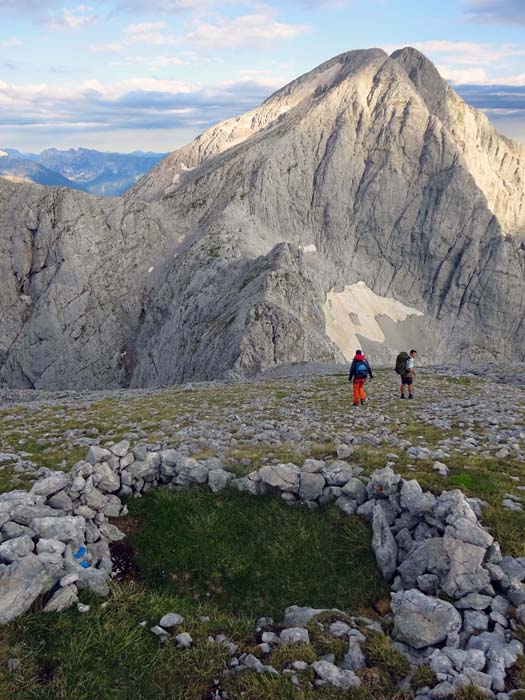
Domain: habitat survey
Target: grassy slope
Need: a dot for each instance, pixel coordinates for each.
(104, 654)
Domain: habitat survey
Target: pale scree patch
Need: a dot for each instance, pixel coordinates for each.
(355, 311)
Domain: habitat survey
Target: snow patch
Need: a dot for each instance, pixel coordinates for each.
(310, 248)
(3, 154)
(180, 169)
(355, 310)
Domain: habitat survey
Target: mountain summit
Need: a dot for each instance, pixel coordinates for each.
(364, 204)
(363, 89)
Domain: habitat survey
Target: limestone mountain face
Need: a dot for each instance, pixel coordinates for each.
(364, 202)
(496, 163)
(74, 273)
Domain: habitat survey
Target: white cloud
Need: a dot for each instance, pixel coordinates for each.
(72, 18)
(478, 76)
(496, 11)
(11, 43)
(149, 33)
(116, 91)
(498, 111)
(153, 38)
(465, 52)
(259, 28)
(509, 80)
(185, 58)
(145, 27)
(167, 6)
(111, 47)
(467, 63)
(463, 76)
(38, 8)
(150, 61)
(136, 103)
(515, 81)
(251, 30)
(473, 53)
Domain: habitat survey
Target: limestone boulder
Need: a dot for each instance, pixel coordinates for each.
(284, 477)
(384, 544)
(311, 486)
(69, 528)
(21, 583)
(421, 621)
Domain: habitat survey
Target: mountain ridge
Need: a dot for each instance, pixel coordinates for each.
(246, 248)
(96, 172)
(24, 169)
(434, 91)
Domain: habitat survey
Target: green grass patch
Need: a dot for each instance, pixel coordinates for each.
(424, 677)
(285, 654)
(106, 654)
(470, 693)
(508, 528)
(516, 676)
(428, 433)
(10, 480)
(462, 381)
(482, 483)
(380, 651)
(370, 458)
(255, 555)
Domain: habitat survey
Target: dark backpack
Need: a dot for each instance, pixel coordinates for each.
(401, 363)
(361, 370)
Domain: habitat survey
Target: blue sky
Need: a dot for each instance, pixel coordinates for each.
(151, 74)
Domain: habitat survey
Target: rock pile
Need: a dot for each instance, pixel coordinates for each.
(292, 632)
(55, 538)
(452, 589)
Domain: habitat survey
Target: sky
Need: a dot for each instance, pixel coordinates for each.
(125, 75)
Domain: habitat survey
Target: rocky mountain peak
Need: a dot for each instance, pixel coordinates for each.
(496, 163)
(425, 77)
(362, 203)
(406, 86)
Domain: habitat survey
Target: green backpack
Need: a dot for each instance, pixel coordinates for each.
(401, 363)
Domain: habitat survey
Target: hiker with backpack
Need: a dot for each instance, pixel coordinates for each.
(360, 370)
(405, 368)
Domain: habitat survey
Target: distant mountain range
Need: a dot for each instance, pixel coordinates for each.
(106, 174)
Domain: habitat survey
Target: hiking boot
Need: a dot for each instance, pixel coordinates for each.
(402, 396)
(363, 401)
(410, 396)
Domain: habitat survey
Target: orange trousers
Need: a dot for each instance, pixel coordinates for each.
(359, 391)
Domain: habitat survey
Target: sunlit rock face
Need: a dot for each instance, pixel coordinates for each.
(362, 205)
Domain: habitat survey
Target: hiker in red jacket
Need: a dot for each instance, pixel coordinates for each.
(360, 370)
